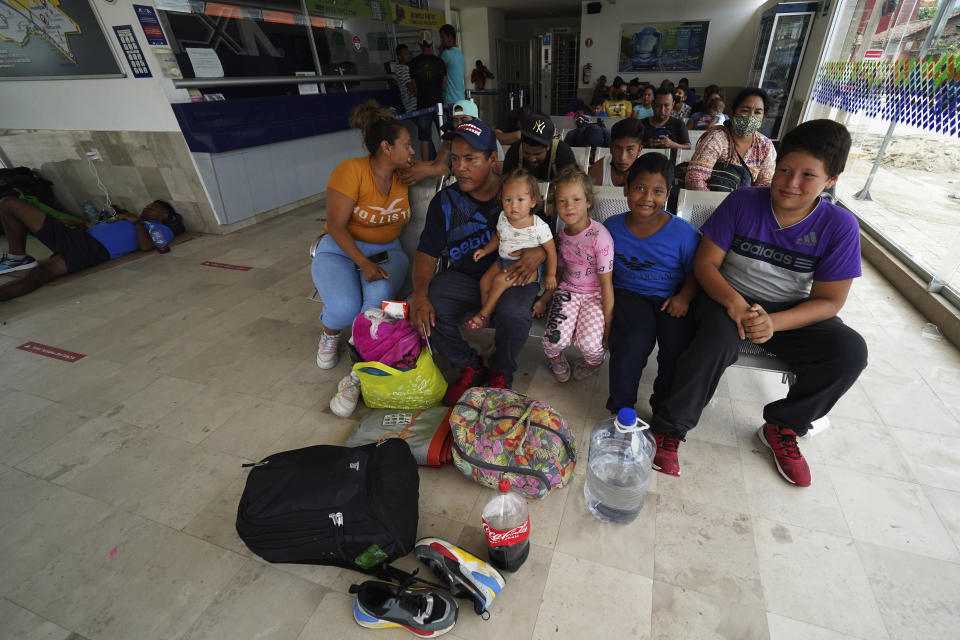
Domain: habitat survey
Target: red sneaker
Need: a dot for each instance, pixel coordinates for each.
(786, 453)
(469, 377)
(666, 460)
(499, 380)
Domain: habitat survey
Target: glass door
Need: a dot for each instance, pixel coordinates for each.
(783, 38)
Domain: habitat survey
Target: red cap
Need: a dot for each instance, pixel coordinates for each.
(505, 484)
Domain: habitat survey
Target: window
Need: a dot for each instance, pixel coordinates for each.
(875, 81)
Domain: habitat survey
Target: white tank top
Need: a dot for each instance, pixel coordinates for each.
(607, 178)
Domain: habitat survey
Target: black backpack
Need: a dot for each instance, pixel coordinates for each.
(352, 507)
(30, 183)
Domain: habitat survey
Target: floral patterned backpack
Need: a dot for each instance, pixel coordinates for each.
(499, 433)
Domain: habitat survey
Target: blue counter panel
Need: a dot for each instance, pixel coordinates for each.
(216, 127)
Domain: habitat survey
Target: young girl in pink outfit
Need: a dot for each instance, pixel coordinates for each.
(582, 305)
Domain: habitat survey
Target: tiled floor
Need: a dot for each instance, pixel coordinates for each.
(120, 474)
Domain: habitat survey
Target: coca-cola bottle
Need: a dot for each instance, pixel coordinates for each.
(506, 523)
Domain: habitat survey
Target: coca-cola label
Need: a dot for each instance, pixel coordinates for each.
(506, 538)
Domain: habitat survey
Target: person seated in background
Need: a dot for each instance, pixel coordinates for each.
(74, 246)
(737, 148)
(508, 132)
(587, 133)
(681, 110)
(618, 107)
(712, 91)
(537, 151)
(600, 89)
(596, 108)
(461, 219)
(625, 147)
(775, 265)
(661, 131)
(645, 108)
(712, 118)
(633, 91)
(461, 111)
(667, 84)
(691, 94)
(619, 89)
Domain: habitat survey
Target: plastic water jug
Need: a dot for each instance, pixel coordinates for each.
(618, 467)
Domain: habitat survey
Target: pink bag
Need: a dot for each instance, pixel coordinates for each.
(394, 343)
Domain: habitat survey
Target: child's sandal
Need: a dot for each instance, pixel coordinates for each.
(473, 324)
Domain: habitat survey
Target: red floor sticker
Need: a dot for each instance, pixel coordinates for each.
(51, 352)
(221, 265)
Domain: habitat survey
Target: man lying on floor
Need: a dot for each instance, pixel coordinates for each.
(74, 246)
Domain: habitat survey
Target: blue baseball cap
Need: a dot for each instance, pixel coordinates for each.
(477, 133)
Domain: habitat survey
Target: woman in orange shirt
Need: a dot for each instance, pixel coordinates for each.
(359, 262)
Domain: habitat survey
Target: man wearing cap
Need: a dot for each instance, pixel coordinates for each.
(462, 111)
(540, 154)
(461, 219)
(429, 75)
(456, 66)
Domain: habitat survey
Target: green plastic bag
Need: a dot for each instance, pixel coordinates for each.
(384, 387)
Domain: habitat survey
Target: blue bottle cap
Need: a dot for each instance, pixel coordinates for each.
(627, 417)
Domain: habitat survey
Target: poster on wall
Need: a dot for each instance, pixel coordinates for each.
(663, 46)
(41, 39)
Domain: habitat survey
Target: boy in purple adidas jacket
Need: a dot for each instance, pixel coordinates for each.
(775, 265)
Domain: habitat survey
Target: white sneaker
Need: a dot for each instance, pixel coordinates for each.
(348, 393)
(327, 350)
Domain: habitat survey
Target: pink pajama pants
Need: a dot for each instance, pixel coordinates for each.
(575, 318)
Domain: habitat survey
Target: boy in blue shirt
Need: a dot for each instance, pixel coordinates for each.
(653, 283)
(75, 247)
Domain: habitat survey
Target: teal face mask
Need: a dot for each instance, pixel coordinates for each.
(744, 125)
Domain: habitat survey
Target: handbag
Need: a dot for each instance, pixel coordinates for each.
(727, 176)
(499, 433)
(355, 508)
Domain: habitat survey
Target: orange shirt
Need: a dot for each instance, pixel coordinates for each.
(376, 217)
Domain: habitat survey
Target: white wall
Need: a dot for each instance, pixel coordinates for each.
(533, 27)
(109, 104)
(730, 39)
(474, 39)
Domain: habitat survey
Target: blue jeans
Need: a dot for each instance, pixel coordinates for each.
(454, 295)
(341, 285)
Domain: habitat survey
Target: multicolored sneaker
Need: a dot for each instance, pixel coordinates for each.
(327, 350)
(790, 462)
(666, 459)
(469, 377)
(9, 265)
(348, 393)
(423, 612)
(467, 576)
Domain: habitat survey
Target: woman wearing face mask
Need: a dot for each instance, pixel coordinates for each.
(737, 142)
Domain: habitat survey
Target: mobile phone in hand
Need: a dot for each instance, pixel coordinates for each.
(377, 258)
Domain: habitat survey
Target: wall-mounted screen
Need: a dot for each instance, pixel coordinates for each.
(42, 39)
(663, 46)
